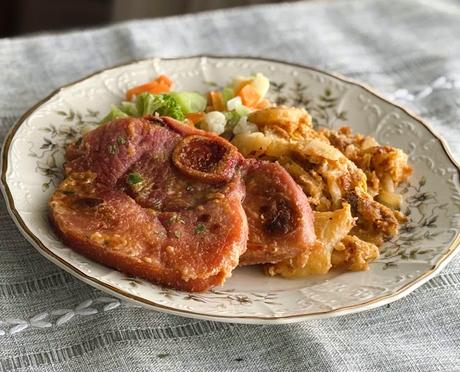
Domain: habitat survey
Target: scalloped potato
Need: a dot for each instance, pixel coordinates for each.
(332, 168)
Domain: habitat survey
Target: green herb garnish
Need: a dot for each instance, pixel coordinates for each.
(121, 140)
(134, 178)
(200, 228)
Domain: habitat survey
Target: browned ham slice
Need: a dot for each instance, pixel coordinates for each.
(158, 199)
(279, 216)
(140, 228)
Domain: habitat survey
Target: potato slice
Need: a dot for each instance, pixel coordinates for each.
(288, 119)
(330, 229)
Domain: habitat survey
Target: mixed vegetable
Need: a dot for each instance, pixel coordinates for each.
(220, 111)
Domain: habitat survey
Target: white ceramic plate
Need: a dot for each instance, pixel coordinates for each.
(33, 155)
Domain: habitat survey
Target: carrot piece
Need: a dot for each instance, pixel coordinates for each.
(161, 84)
(195, 117)
(240, 84)
(249, 95)
(153, 87)
(164, 80)
(217, 101)
(262, 104)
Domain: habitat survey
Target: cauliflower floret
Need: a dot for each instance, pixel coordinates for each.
(244, 126)
(215, 122)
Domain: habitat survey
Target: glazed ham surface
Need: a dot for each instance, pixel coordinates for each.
(158, 199)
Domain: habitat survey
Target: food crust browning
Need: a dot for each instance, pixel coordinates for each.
(158, 199)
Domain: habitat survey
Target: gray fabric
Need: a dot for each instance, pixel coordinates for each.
(53, 322)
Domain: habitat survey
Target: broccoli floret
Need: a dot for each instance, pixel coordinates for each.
(163, 104)
(171, 108)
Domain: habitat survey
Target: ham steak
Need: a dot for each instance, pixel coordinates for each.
(119, 204)
(158, 199)
(279, 215)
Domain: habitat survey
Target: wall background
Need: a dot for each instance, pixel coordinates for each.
(18, 17)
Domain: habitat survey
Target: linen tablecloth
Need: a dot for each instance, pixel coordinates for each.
(50, 321)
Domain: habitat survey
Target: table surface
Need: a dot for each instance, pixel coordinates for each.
(49, 321)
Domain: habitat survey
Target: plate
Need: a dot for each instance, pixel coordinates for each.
(33, 155)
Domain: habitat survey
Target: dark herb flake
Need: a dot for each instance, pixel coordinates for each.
(121, 140)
